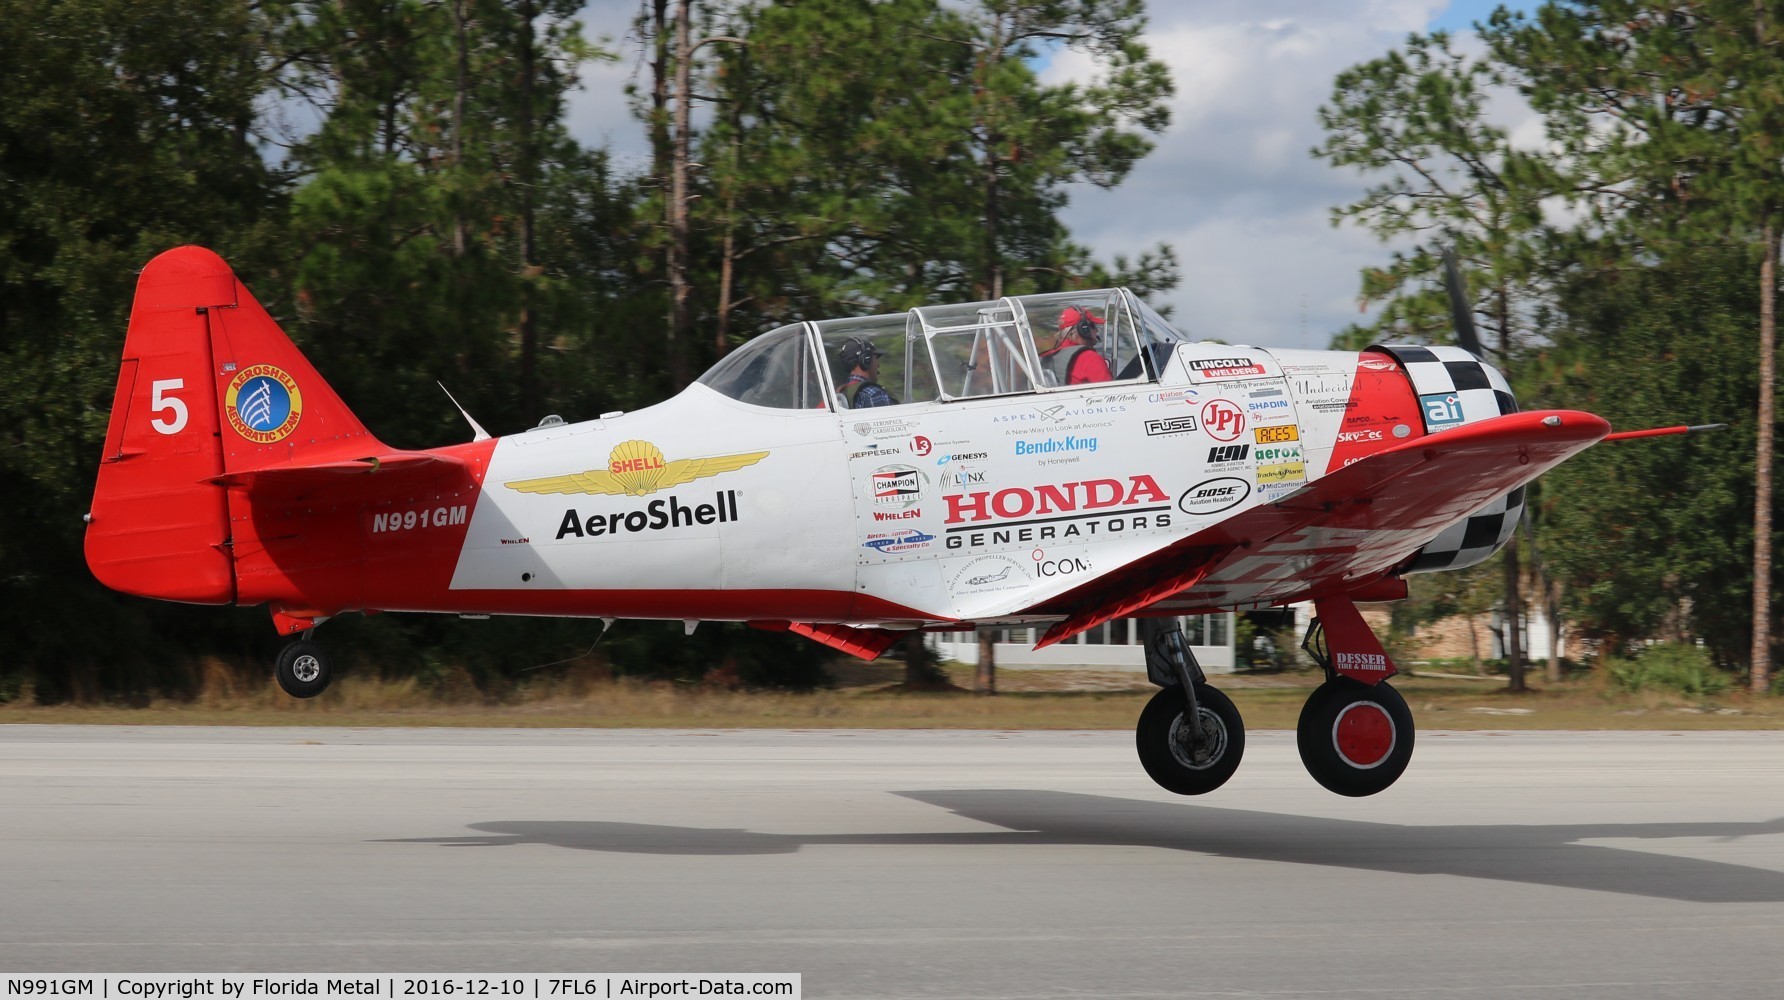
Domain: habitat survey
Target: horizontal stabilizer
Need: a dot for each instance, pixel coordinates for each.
(302, 478)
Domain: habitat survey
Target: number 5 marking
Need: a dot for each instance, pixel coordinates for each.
(159, 402)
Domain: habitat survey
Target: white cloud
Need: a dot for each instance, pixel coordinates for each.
(1231, 184)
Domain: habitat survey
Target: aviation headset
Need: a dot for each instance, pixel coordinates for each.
(1084, 328)
(856, 352)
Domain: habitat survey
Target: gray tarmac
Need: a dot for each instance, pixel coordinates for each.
(899, 864)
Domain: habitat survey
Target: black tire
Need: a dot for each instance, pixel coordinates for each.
(1355, 739)
(303, 670)
(1169, 761)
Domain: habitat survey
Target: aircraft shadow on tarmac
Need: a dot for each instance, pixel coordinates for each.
(1540, 855)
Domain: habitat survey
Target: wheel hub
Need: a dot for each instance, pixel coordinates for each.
(306, 668)
(1363, 734)
(1214, 741)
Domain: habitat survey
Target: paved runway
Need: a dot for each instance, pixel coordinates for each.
(899, 864)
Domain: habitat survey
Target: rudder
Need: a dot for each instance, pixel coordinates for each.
(209, 385)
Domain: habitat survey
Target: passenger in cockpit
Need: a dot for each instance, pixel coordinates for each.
(862, 387)
(1074, 359)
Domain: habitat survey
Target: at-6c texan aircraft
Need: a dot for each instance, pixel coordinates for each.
(992, 486)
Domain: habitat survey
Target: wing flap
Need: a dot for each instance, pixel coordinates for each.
(1341, 531)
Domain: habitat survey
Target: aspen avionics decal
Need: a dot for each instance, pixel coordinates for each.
(637, 468)
(263, 404)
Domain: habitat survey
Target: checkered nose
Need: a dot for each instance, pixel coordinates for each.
(1454, 388)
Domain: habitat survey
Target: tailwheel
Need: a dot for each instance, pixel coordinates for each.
(1184, 761)
(1355, 738)
(303, 670)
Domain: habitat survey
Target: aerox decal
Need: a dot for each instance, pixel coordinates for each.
(637, 468)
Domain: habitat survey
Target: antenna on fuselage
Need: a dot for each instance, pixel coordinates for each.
(479, 434)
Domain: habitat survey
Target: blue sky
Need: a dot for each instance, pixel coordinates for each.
(1231, 184)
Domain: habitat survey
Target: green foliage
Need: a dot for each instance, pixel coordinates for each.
(438, 223)
(724, 652)
(1649, 537)
(1674, 667)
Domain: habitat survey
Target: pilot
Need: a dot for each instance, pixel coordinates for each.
(862, 388)
(1074, 359)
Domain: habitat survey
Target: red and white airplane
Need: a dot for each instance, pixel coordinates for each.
(990, 491)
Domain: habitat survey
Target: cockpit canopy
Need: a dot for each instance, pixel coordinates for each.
(1018, 344)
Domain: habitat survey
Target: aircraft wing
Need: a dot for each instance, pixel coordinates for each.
(1339, 533)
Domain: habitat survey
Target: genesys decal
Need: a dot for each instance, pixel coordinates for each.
(1213, 496)
(893, 542)
(263, 404)
(637, 468)
(1074, 511)
(654, 516)
(1226, 367)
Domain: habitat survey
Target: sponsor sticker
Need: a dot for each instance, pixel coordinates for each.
(637, 468)
(989, 574)
(893, 542)
(1214, 495)
(1226, 367)
(1222, 420)
(1064, 444)
(1362, 661)
(1228, 453)
(1276, 434)
(1286, 472)
(655, 516)
(921, 446)
(1441, 410)
(898, 486)
(1171, 425)
(263, 404)
(1046, 566)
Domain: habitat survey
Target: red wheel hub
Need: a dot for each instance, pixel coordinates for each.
(1363, 734)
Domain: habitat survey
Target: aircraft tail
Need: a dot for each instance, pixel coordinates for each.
(209, 387)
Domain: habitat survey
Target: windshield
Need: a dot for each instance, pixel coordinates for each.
(776, 369)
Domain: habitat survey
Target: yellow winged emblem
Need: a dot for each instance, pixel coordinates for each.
(637, 468)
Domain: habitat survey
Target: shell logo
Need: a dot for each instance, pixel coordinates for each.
(637, 468)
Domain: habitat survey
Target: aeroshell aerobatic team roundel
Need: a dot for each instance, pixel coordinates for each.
(637, 468)
(263, 404)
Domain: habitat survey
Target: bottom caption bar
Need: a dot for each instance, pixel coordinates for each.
(404, 986)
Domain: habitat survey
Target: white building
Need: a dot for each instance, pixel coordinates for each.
(1111, 646)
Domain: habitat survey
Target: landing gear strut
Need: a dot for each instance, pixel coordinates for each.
(1355, 738)
(1190, 737)
(303, 670)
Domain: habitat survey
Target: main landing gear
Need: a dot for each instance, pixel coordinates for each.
(303, 670)
(1355, 732)
(1355, 738)
(1190, 736)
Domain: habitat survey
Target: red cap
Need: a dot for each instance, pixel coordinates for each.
(1072, 315)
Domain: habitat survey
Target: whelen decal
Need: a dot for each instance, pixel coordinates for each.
(637, 468)
(263, 404)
